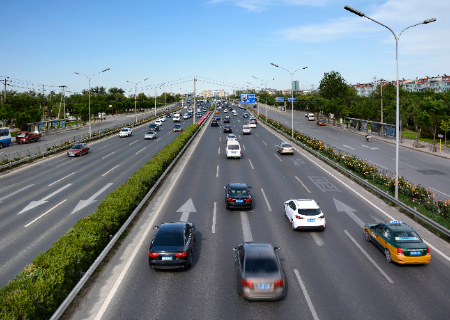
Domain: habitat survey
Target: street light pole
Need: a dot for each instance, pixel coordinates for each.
(265, 91)
(135, 85)
(397, 113)
(90, 135)
(292, 93)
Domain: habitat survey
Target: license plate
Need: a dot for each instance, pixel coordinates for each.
(166, 258)
(239, 201)
(263, 286)
(311, 220)
(233, 152)
(415, 253)
(71, 153)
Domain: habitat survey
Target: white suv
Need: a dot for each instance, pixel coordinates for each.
(233, 149)
(304, 214)
(125, 132)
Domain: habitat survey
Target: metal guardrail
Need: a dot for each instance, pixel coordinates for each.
(366, 184)
(58, 313)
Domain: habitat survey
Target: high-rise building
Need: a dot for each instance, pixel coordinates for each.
(295, 85)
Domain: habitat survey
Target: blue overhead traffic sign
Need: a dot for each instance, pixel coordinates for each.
(247, 98)
(289, 99)
(279, 99)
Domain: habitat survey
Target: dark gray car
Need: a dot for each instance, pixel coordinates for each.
(259, 272)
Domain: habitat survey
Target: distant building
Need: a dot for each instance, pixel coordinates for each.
(295, 85)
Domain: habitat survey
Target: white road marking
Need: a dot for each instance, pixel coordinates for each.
(264, 142)
(220, 138)
(317, 238)
(109, 154)
(257, 134)
(265, 198)
(46, 213)
(15, 192)
(251, 165)
(217, 173)
(433, 190)
(141, 150)
(84, 203)
(247, 232)
(378, 165)
(277, 157)
(305, 293)
(109, 171)
(102, 147)
(214, 219)
(368, 257)
(218, 151)
(61, 179)
(243, 147)
(348, 147)
(62, 164)
(302, 184)
(34, 204)
(185, 209)
(133, 142)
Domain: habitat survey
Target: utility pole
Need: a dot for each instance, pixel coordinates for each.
(63, 95)
(195, 106)
(3, 99)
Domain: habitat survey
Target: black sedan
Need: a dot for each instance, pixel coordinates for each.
(172, 246)
(214, 123)
(226, 120)
(237, 195)
(259, 272)
(227, 129)
(154, 127)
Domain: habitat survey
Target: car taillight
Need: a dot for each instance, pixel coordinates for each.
(321, 217)
(299, 217)
(400, 252)
(278, 283)
(428, 252)
(248, 199)
(247, 283)
(229, 199)
(153, 254)
(180, 254)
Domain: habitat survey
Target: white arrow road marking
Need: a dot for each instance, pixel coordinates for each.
(15, 192)
(84, 203)
(246, 228)
(348, 146)
(34, 204)
(186, 208)
(46, 212)
(341, 207)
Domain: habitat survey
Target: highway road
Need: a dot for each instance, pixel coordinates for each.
(334, 274)
(428, 170)
(42, 200)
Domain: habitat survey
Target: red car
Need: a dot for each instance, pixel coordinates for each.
(78, 150)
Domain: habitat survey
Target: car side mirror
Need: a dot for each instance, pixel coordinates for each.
(234, 249)
(156, 227)
(276, 248)
(225, 187)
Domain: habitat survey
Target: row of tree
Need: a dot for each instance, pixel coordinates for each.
(22, 108)
(427, 112)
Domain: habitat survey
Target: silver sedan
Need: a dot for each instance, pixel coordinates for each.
(150, 135)
(285, 147)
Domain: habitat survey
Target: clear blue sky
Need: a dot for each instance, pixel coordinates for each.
(45, 42)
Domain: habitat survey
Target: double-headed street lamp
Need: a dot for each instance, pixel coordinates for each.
(265, 89)
(397, 113)
(292, 92)
(90, 95)
(135, 85)
(155, 95)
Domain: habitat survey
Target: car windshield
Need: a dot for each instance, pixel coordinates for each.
(309, 212)
(406, 236)
(261, 265)
(168, 239)
(77, 146)
(124, 130)
(21, 135)
(150, 132)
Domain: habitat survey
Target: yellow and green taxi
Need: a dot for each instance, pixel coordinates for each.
(177, 127)
(321, 122)
(399, 242)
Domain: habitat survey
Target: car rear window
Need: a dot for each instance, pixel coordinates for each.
(286, 145)
(261, 265)
(406, 236)
(168, 239)
(309, 212)
(233, 147)
(238, 192)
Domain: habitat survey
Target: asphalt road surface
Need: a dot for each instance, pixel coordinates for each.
(334, 274)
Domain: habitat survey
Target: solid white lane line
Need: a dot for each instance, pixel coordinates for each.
(15, 192)
(305, 293)
(247, 232)
(214, 219)
(264, 142)
(61, 179)
(277, 157)
(302, 184)
(218, 151)
(46, 213)
(251, 165)
(141, 150)
(265, 198)
(109, 171)
(109, 154)
(368, 257)
(217, 173)
(317, 238)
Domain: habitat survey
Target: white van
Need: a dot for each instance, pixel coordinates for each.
(176, 117)
(233, 149)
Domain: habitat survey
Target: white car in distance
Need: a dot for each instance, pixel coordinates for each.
(231, 138)
(304, 214)
(158, 122)
(246, 129)
(233, 149)
(125, 132)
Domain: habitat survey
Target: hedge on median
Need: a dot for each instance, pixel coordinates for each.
(43, 285)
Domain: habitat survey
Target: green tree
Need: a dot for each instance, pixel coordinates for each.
(445, 126)
(333, 86)
(433, 111)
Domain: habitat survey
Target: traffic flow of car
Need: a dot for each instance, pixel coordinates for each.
(304, 214)
(238, 196)
(151, 134)
(125, 132)
(285, 147)
(78, 150)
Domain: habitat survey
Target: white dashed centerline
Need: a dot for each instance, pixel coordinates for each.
(214, 219)
(45, 213)
(217, 173)
(251, 165)
(109, 154)
(61, 179)
(109, 171)
(141, 150)
(305, 293)
(277, 157)
(264, 142)
(302, 184)
(265, 198)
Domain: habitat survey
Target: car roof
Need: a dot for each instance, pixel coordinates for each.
(172, 227)
(398, 226)
(238, 185)
(259, 250)
(306, 204)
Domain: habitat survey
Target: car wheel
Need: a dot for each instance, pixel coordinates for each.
(388, 255)
(366, 236)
